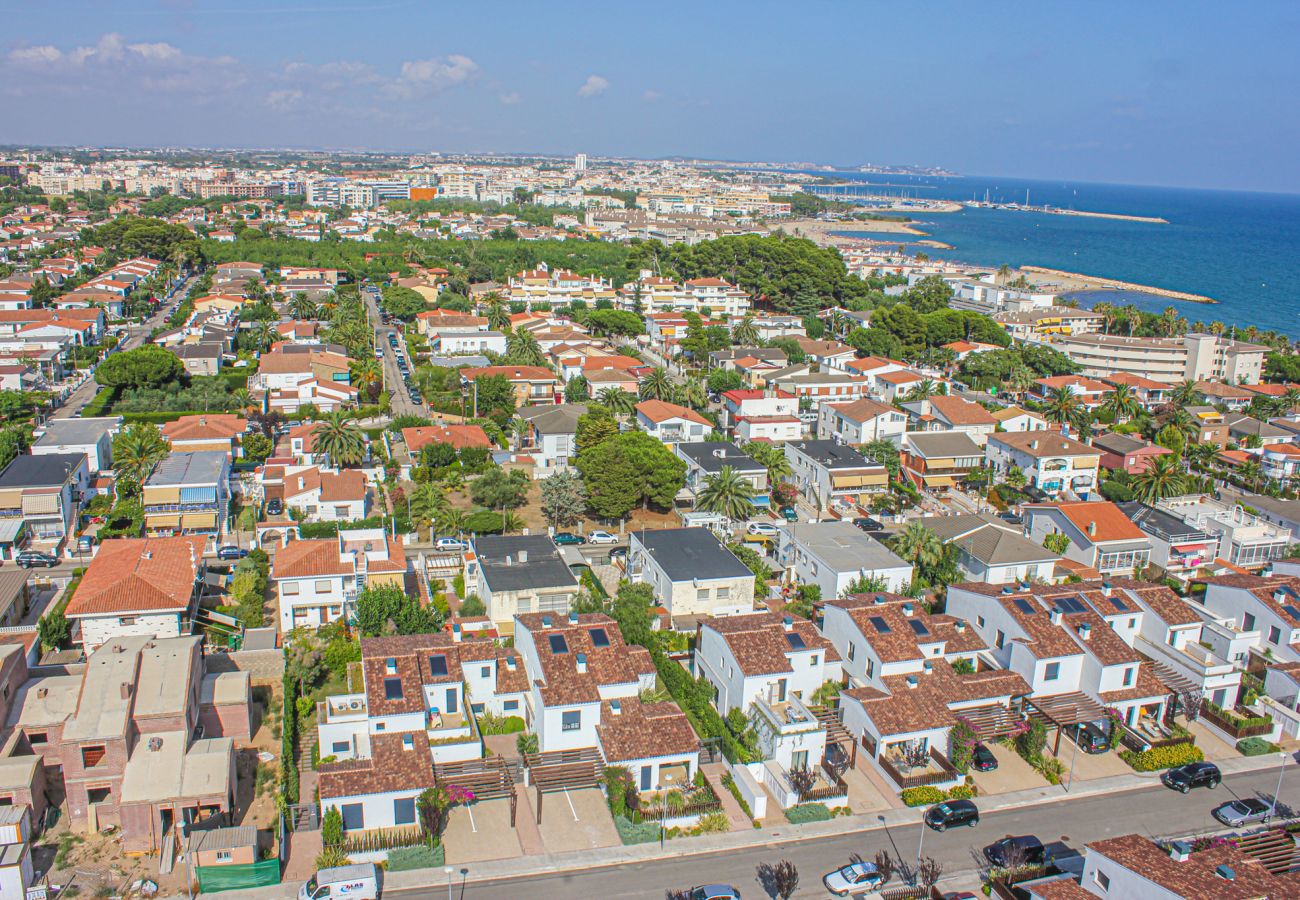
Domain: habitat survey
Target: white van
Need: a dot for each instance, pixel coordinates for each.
(355, 882)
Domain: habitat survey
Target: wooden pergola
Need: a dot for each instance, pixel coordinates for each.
(836, 733)
(488, 779)
(992, 721)
(562, 770)
(1060, 711)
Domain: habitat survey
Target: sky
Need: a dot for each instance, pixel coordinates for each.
(1188, 93)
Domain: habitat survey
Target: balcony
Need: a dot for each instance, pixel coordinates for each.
(938, 771)
(1192, 660)
(789, 716)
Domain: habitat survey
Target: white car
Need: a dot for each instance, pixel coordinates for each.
(766, 528)
(855, 878)
(601, 537)
(450, 545)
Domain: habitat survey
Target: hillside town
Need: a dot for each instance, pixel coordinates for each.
(462, 515)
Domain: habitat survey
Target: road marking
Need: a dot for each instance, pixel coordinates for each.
(473, 826)
(571, 806)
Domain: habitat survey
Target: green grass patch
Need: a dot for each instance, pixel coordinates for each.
(808, 812)
(628, 833)
(406, 859)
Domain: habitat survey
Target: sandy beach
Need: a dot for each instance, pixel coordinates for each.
(821, 233)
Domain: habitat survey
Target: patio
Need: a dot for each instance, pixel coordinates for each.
(1089, 765)
(1213, 746)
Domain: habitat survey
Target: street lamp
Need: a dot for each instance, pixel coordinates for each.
(916, 873)
(1280, 772)
(449, 870)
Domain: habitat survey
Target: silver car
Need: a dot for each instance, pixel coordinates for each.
(855, 878)
(1236, 813)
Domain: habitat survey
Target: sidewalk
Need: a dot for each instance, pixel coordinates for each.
(755, 837)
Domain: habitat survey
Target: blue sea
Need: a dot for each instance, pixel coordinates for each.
(1236, 247)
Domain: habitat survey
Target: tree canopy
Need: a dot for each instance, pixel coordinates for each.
(628, 470)
(143, 367)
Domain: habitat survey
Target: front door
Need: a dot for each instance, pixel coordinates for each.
(646, 773)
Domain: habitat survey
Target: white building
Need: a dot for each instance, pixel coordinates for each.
(691, 572)
(834, 555)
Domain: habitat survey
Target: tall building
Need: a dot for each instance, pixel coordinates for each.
(580, 162)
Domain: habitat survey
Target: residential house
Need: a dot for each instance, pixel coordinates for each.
(315, 581)
(188, 493)
(203, 358)
(320, 496)
(458, 436)
(829, 474)
(90, 436)
(516, 574)
(1245, 540)
(1101, 536)
(1268, 606)
(706, 459)
(1051, 462)
(532, 384)
(292, 375)
(860, 422)
(40, 497)
(939, 461)
(1013, 418)
(1178, 548)
(1149, 392)
(947, 413)
(552, 434)
(1134, 865)
(753, 414)
(1090, 392)
(836, 555)
(211, 431)
(1126, 453)
(991, 550)
(691, 572)
(1211, 426)
(670, 423)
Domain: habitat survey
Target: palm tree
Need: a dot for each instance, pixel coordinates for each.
(1186, 393)
(922, 390)
(523, 349)
(366, 371)
(451, 521)
(1170, 322)
(1201, 455)
(1290, 399)
(745, 333)
(771, 457)
(617, 401)
(511, 521)
(1161, 478)
(657, 385)
(1020, 381)
(498, 314)
(728, 494)
(1122, 403)
(339, 438)
(428, 502)
(692, 394)
(136, 450)
(301, 308)
(1062, 406)
(920, 546)
(1250, 472)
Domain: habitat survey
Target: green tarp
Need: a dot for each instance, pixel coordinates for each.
(245, 875)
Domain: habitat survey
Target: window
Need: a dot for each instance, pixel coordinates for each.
(999, 640)
(853, 652)
(1051, 671)
(1274, 635)
(37, 737)
(599, 637)
(871, 667)
(341, 512)
(92, 756)
(814, 660)
(1247, 622)
(571, 720)
(558, 644)
(702, 595)
(404, 811)
(340, 747)
(438, 665)
(510, 705)
(322, 587)
(1128, 676)
(979, 620)
(1102, 879)
(485, 672)
(380, 726)
(393, 689)
(354, 816)
(126, 620)
(223, 856)
(724, 593)
(289, 588)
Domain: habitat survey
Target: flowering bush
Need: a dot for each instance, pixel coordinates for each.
(962, 739)
(435, 805)
(1162, 757)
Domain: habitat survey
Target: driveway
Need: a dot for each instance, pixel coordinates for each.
(574, 820)
(1012, 773)
(1088, 765)
(481, 831)
(1214, 747)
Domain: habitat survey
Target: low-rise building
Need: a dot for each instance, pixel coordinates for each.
(92, 436)
(860, 422)
(1136, 866)
(939, 461)
(691, 572)
(830, 474)
(519, 574)
(1244, 539)
(671, 423)
(836, 555)
(947, 413)
(551, 438)
(317, 580)
(188, 493)
(1101, 536)
(991, 550)
(191, 434)
(40, 497)
(1126, 452)
(1051, 462)
(1177, 547)
(707, 459)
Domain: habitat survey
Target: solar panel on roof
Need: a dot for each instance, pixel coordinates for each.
(1118, 602)
(795, 641)
(918, 627)
(1292, 611)
(559, 644)
(1024, 606)
(879, 623)
(438, 665)
(1071, 604)
(598, 637)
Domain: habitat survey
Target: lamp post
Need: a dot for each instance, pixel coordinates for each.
(449, 870)
(916, 873)
(1280, 772)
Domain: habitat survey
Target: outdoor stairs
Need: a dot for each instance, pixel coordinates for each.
(302, 755)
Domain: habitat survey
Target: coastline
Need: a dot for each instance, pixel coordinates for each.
(823, 233)
(1075, 281)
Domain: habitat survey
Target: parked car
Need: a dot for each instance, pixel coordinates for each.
(710, 892)
(1197, 774)
(602, 537)
(855, 878)
(230, 551)
(764, 528)
(951, 813)
(568, 539)
(1025, 850)
(274, 506)
(982, 759)
(449, 545)
(30, 559)
(790, 514)
(868, 524)
(1236, 813)
(1089, 737)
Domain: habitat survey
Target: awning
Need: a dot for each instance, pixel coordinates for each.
(162, 520)
(939, 480)
(10, 530)
(199, 520)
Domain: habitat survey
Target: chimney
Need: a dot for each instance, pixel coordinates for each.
(582, 663)
(573, 618)
(928, 667)
(523, 556)
(908, 609)
(912, 681)
(510, 663)
(1009, 589)
(1180, 851)
(408, 742)
(787, 623)
(1055, 615)
(960, 626)
(148, 554)
(1085, 631)
(546, 621)
(1105, 588)
(1225, 872)
(1279, 594)
(455, 632)
(126, 690)
(1033, 445)
(880, 599)
(1092, 528)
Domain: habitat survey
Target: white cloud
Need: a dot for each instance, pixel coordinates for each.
(432, 75)
(35, 55)
(283, 100)
(595, 84)
(652, 96)
(510, 99)
(110, 48)
(159, 52)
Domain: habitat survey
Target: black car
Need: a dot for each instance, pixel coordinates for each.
(951, 813)
(1197, 774)
(1010, 518)
(29, 559)
(274, 506)
(982, 759)
(1013, 852)
(230, 551)
(868, 524)
(1089, 737)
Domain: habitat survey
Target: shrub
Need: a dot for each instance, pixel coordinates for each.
(629, 833)
(808, 812)
(730, 784)
(526, 743)
(331, 828)
(921, 796)
(963, 792)
(405, 859)
(331, 857)
(1255, 746)
(1162, 757)
(490, 724)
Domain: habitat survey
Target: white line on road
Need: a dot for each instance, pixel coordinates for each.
(572, 808)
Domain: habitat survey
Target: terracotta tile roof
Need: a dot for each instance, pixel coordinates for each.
(1195, 878)
(903, 708)
(391, 767)
(645, 731)
(512, 373)
(306, 559)
(901, 641)
(1145, 685)
(1110, 523)
(863, 410)
(959, 411)
(1171, 608)
(459, 436)
(562, 683)
(758, 641)
(1040, 444)
(658, 411)
(139, 575)
(346, 485)
(205, 428)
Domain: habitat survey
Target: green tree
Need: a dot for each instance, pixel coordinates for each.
(1122, 403)
(595, 427)
(656, 385)
(257, 447)
(745, 333)
(628, 470)
(771, 457)
(522, 349)
(728, 494)
(386, 609)
(1161, 478)
(136, 450)
(498, 489)
(564, 498)
(494, 396)
(723, 380)
(617, 401)
(577, 390)
(341, 439)
(1057, 543)
(53, 630)
(1062, 406)
(143, 367)
(919, 545)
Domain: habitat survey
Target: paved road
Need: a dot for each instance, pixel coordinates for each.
(399, 398)
(1154, 811)
(136, 335)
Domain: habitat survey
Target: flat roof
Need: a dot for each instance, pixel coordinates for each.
(103, 707)
(504, 571)
(713, 456)
(76, 431)
(164, 677)
(199, 467)
(834, 455)
(40, 471)
(686, 553)
(42, 702)
(844, 547)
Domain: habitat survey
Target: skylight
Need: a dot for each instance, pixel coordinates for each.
(393, 689)
(879, 623)
(1024, 606)
(598, 637)
(558, 643)
(919, 628)
(438, 665)
(1071, 604)
(795, 641)
(1118, 602)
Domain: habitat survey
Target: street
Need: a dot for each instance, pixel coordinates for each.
(399, 398)
(1154, 811)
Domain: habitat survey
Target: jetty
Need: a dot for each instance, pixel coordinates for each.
(1090, 282)
(1059, 211)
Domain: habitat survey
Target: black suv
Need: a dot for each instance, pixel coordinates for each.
(982, 759)
(1015, 852)
(950, 813)
(32, 558)
(1197, 774)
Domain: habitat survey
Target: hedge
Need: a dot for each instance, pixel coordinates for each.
(1255, 746)
(1162, 757)
(101, 403)
(406, 859)
(921, 796)
(808, 812)
(629, 833)
(289, 740)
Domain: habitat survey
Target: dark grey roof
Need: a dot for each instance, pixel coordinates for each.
(833, 455)
(843, 547)
(198, 351)
(556, 418)
(40, 471)
(944, 444)
(1160, 523)
(988, 539)
(712, 456)
(503, 570)
(686, 553)
(1119, 444)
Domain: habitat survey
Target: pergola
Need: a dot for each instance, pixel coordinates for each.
(489, 779)
(836, 733)
(992, 721)
(1060, 711)
(562, 770)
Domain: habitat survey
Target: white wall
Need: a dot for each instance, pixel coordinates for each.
(376, 809)
(96, 630)
(550, 731)
(308, 597)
